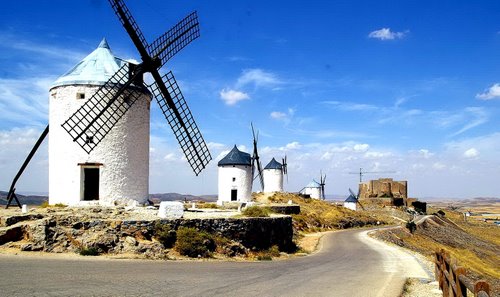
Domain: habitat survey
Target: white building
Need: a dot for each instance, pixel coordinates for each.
(273, 177)
(351, 202)
(235, 177)
(116, 172)
(313, 189)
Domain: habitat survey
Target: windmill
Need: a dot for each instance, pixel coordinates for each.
(92, 122)
(361, 173)
(255, 159)
(357, 198)
(322, 180)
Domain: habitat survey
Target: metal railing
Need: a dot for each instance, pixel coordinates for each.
(453, 280)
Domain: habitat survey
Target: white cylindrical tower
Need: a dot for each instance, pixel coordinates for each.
(273, 177)
(312, 189)
(235, 177)
(116, 172)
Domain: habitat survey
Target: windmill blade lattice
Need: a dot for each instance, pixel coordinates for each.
(92, 122)
(128, 21)
(184, 127)
(175, 39)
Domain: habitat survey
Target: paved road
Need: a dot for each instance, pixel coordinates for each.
(348, 264)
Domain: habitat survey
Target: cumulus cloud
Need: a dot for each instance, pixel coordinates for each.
(471, 153)
(231, 97)
(361, 147)
(386, 34)
(490, 93)
(258, 78)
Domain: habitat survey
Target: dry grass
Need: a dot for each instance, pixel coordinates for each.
(317, 215)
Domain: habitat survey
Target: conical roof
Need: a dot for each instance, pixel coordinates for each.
(351, 198)
(273, 164)
(236, 157)
(313, 184)
(95, 69)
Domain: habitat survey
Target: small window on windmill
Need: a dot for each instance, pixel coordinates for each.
(80, 95)
(234, 179)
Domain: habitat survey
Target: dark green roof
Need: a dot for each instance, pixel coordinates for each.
(236, 157)
(273, 165)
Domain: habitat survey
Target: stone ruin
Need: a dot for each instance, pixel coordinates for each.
(395, 192)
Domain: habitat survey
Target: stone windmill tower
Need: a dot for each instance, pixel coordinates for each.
(235, 177)
(273, 176)
(117, 170)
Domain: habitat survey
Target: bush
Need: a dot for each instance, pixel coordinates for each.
(411, 226)
(256, 212)
(268, 254)
(165, 235)
(89, 251)
(194, 243)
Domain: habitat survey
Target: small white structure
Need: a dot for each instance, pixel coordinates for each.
(273, 177)
(116, 172)
(351, 202)
(171, 210)
(235, 177)
(313, 189)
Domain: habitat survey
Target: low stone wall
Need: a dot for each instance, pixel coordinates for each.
(69, 234)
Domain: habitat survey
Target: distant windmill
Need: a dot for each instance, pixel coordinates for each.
(255, 159)
(361, 173)
(357, 198)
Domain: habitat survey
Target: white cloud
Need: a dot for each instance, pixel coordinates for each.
(231, 97)
(259, 78)
(471, 153)
(361, 147)
(277, 115)
(386, 34)
(425, 153)
(490, 93)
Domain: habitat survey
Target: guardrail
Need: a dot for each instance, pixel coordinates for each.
(453, 280)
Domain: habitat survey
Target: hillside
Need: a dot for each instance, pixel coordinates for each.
(473, 243)
(23, 199)
(157, 198)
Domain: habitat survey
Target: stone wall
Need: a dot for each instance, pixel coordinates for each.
(70, 234)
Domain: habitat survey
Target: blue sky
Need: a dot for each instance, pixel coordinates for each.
(405, 86)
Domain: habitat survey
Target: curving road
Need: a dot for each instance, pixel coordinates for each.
(349, 263)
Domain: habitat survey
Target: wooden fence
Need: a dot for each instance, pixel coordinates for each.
(453, 280)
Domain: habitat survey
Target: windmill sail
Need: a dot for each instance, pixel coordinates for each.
(92, 122)
(175, 39)
(182, 122)
(255, 159)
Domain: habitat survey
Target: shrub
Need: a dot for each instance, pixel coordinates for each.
(411, 226)
(194, 243)
(256, 212)
(165, 235)
(267, 255)
(44, 204)
(89, 251)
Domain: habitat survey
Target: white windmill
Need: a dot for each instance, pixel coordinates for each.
(235, 177)
(315, 189)
(104, 106)
(273, 175)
